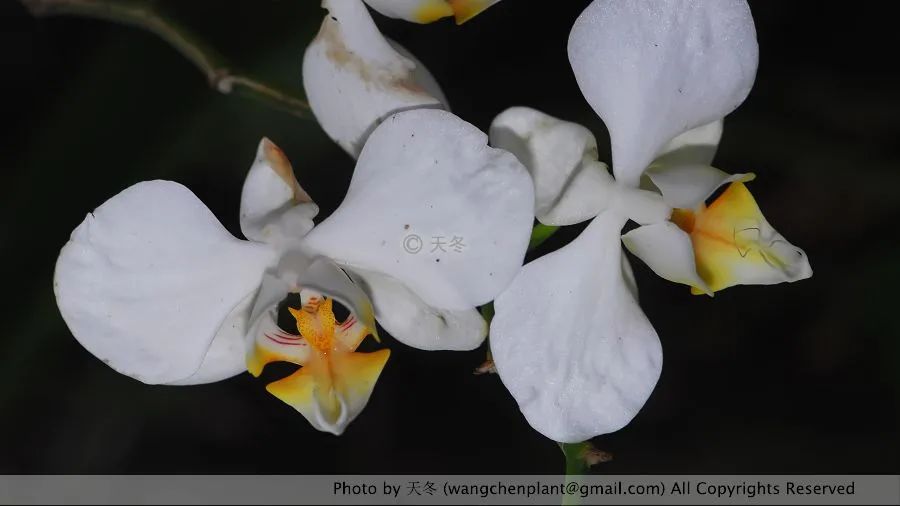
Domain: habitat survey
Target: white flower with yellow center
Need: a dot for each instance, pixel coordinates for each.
(569, 339)
(152, 284)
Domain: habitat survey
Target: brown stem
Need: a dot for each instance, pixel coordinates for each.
(142, 14)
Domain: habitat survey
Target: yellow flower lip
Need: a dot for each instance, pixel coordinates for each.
(463, 10)
(334, 381)
(734, 244)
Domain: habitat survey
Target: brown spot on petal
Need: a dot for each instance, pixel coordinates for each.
(388, 78)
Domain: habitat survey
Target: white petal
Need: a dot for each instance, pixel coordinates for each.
(225, 356)
(688, 186)
(354, 77)
(414, 323)
(628, 275)
(273, 205)
(639, 205)
(427, 11)
(570, 184)
(571, 343)
(696, 146)
(653, 70)
(667, 250)
(148, 278)
(431, 205)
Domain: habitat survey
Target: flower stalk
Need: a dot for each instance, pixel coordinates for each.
(145, 15)
(576, 466)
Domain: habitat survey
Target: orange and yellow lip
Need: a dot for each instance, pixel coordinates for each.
(334, 379)
(728, 242)
(463, 10)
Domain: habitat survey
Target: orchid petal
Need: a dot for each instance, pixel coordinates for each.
(354, 77)
(688, 186)
(696, 146)
(414, 323)
(628, 275)
(570, 184)
(570, 341)
(432, 206)
(734, 244)
(273, 205)
(225, 356)
(653, 70)
(668, 251)
(147, 280)
(428, 11)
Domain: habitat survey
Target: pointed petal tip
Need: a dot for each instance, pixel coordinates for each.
(271, 153)
(801, 267)
(464, 10)
(702, 290)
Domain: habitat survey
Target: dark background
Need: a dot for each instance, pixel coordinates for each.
(794, 378)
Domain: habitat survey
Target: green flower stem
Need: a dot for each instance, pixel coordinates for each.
(576, 466)
(143, 14)
(539, 234)
(575, 462)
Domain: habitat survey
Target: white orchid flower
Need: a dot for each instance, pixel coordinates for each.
(569, 339)
(355, 78)
(427, 11)
(152, 284)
